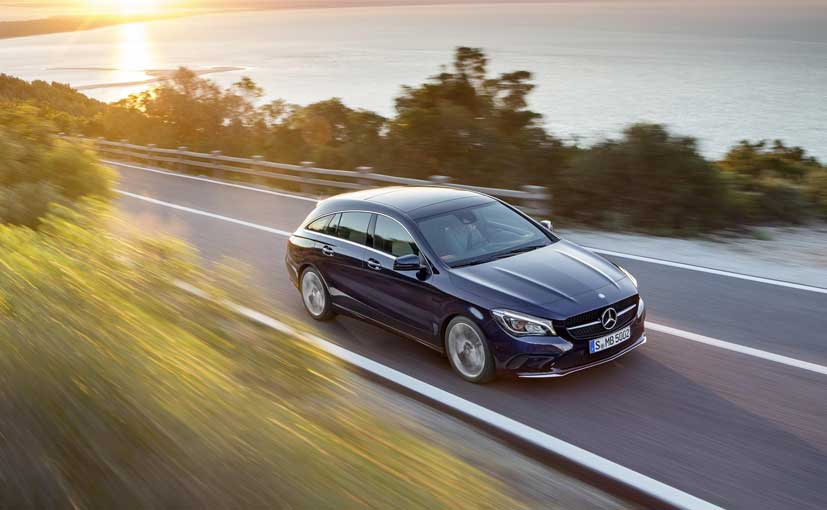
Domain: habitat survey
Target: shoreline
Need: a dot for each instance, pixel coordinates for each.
(83, 22)
(157, 75)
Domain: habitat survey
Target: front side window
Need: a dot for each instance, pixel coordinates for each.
(480, 234)
(392, 238)
(354, 227)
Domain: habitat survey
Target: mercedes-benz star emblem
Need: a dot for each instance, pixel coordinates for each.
(609, 318)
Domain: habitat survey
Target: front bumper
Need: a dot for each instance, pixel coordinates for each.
(562, 372)
(542, 357)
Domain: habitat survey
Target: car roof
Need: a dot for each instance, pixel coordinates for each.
(415, 201)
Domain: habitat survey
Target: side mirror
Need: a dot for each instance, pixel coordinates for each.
(407, 263)
(548, 225)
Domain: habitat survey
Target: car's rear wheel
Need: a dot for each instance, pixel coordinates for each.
(315, 296)
(468, 351)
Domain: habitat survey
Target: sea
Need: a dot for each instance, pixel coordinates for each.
(720, 72)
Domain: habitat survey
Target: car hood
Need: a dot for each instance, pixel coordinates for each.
(562, 274)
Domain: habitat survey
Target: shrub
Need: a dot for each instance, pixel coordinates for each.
(38, 168)
(781, 201)
(816, 186)
(118, 390)
(648, 180)
(762, 159)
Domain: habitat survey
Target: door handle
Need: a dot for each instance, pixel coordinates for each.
(328, 250)
(374, 264)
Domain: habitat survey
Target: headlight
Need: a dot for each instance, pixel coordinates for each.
(519, 324)
(634, 280)
(640, 308)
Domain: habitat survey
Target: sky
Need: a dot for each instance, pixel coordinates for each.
(235, 3)
(775, 19)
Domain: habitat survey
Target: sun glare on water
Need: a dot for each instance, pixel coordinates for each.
(135, 52)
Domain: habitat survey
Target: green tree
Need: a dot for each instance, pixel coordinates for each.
(56, 97)
(336, 136)
(194, 111)
(467, 125)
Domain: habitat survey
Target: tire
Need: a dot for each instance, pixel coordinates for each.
(468, 351)
(315, 297)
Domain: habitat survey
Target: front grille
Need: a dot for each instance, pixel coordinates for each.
(597, 330)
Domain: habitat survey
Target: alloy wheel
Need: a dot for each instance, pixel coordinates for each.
(467, 350)
(313, 293)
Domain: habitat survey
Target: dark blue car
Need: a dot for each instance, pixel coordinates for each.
(468, 275)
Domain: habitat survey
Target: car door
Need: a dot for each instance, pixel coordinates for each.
(404, 300)
(343, 259)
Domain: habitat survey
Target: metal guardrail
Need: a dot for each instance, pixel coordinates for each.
(533, 200)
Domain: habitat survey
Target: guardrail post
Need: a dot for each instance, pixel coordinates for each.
(305, 186)
(147, 154)
(180, 165)
(538, 203)
(442, 180)
(258, 168)
(364, 171)
(217, 172)
(127, 157)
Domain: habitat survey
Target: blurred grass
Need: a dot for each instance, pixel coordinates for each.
(118, 390)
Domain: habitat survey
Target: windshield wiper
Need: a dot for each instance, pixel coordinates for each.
(515, 251)
(519, 250)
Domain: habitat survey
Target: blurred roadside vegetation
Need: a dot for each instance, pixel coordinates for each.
(120, 390)
(475, 128)
(38, 169)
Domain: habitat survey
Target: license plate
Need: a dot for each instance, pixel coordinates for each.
(607, 342)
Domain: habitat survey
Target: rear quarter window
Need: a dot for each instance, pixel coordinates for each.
(331, 227)
(320, 225)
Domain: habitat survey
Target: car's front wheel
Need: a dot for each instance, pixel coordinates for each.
(315, 296)
(468, 351)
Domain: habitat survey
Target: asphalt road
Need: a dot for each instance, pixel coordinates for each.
(735, 430)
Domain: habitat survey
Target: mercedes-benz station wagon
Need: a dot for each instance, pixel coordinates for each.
(469, 276)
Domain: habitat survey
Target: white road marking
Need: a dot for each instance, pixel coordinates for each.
(719, 272)
(666, 493)
(205, 213)
(721, 344)
(757, 353)
(212, 181)
(651, 260)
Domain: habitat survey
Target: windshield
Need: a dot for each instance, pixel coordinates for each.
(479, 234)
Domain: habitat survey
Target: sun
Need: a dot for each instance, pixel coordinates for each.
(136, 6)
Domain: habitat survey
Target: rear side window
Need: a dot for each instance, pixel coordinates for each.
(391, 237)
(354, 227)
(320, 225)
